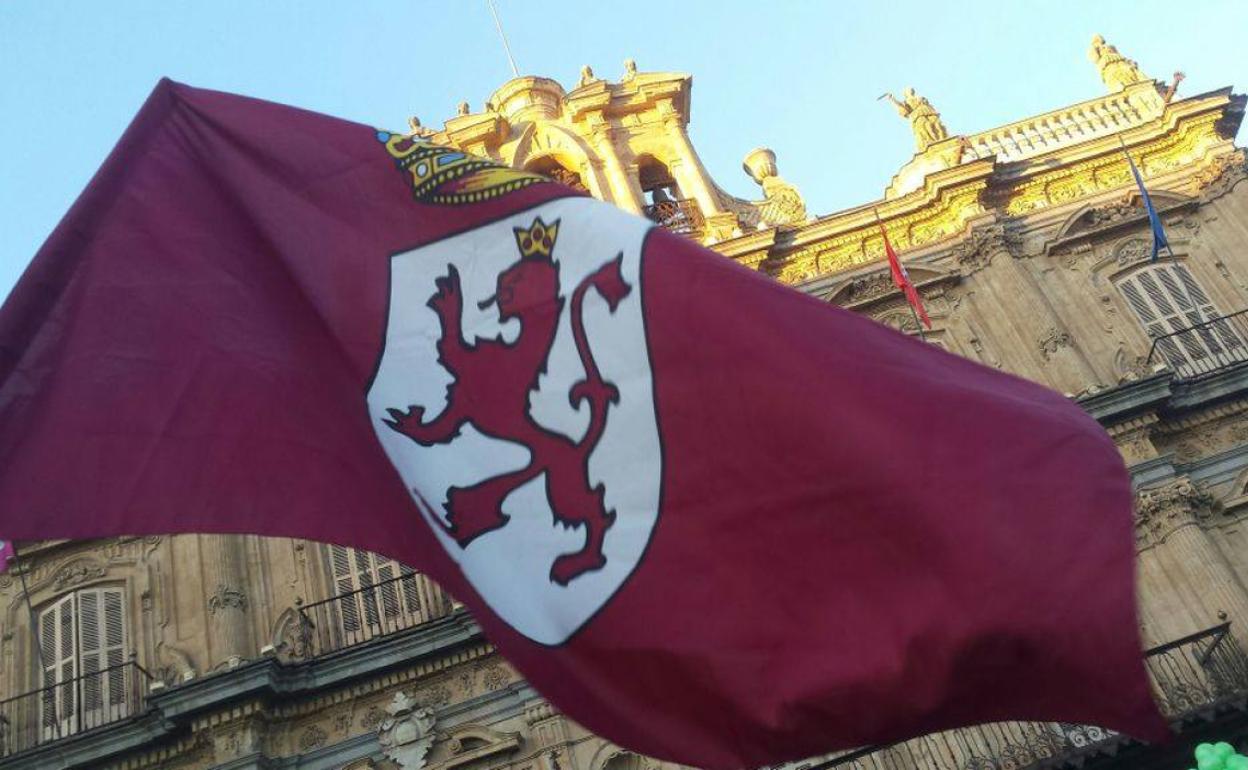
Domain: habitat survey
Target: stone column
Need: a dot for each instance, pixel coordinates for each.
(624, 191)
(688, 172)
(224, 565)
(1185, 582)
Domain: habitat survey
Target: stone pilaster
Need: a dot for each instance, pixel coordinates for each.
(1185, 580)
(225, 581)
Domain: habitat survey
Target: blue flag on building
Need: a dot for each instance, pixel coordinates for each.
(1154, 221)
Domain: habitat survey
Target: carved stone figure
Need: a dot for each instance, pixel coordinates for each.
(463, 109)
(587, 77)
(630, 70)
(924, 120)
(782, 204)
(1117, 71)
(406, 735)
(417, 128)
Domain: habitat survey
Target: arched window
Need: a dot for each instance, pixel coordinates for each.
(664, 204)
(551, 167)
(83, 649)
(1189, 333)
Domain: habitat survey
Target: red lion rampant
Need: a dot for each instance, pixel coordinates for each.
(492, 381)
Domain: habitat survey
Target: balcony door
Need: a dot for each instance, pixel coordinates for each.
(82, 639)
(1167, 299)
(375, 595)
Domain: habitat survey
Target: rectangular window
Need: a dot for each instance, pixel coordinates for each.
(82, 638)
(376, 595)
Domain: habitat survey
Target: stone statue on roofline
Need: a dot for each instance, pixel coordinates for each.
(782, 204)
(924, 120)
(587, 77)
(630, 70)
(1117, 71)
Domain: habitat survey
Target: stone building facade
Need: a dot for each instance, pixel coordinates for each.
(1031, 249)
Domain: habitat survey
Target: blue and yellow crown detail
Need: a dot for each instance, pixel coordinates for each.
(447, 176)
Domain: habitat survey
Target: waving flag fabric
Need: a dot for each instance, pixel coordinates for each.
(1154, 222)
(6, 554)
(710, 518)
(901, 279)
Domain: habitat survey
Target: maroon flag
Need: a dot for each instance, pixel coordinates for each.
(689, 504)
(6, 554)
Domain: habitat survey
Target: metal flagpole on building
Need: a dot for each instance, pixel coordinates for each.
(515, 71)
(34, 635)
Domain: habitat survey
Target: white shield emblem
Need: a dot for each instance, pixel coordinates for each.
(514, 396)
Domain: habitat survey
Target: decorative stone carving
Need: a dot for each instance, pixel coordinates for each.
(292, 635)
(630, 70)
(782, 203)
(417, 129)
(76, 573)
(407, 734)
(587, 77)
(495, 677)
(1160, 511)
(313, 737)
(372, 718)
(1226, 172)
(976, 251)
(1132, 250)
(462, 109)
(924, 120)
(227, 598)
(1117, 71)
(1052, 341)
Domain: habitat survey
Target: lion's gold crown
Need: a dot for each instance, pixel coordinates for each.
(538, 239)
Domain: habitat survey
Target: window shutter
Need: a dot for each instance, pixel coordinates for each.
(114, 617)
(1166, 298)
(56, 642)
(91, 650)
(344, 583)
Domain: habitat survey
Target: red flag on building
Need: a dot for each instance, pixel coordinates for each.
(712, 519)
(901, 278)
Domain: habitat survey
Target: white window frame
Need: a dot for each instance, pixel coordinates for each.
(81, 634)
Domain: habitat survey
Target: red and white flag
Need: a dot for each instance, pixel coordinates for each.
(901, 279)
(712, 519)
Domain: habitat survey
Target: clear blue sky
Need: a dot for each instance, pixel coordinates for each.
(800, 77)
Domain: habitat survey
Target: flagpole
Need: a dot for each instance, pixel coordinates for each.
(515, 71)
(917, 323)
(34, 633)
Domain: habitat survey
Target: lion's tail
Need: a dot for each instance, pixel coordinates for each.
(608, 281)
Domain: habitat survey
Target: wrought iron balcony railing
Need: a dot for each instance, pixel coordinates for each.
(356, 617)
(59, 710)
(682, 216)
(1195, 675)
(1204, 348)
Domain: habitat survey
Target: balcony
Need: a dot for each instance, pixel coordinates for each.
(1204, 349)
(77, 705)
(680, 215)
(1196, 676)
(357, 617)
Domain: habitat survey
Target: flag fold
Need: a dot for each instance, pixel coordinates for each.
(711, 519)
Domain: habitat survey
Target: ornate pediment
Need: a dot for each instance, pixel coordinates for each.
(468, 744)
(1107, 216)
(862, 290)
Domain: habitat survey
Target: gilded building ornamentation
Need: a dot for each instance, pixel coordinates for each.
(924, 120)
(1117, 71)
(1222, 176)
(1160, 511)
(976, 251)
(587, 77)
